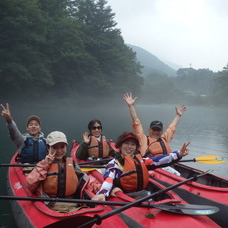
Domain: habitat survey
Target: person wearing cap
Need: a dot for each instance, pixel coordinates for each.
(129, 171)
(57, 175)
(31, 146)
(157, 143)
(95, 145)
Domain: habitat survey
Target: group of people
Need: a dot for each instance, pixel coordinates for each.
(134, 153)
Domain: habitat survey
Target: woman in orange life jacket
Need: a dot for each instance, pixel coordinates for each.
(95, 145)
(129, 171)
(157, 143)
(58, 176)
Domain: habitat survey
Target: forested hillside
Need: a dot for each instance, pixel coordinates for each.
(63, 49)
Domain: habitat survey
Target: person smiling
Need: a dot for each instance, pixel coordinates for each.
(58, 175)
(157, 143)
(95, 145)
(31, 146)
(129, 171)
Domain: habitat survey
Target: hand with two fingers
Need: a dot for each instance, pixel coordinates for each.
(50, 157)
(184, 150)
(6, 112)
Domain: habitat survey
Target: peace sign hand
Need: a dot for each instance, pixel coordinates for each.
(184, 150)
(6, 112)
(50, 157)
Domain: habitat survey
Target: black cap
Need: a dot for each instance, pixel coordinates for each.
(156, 124)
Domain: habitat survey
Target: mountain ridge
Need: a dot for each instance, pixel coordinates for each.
(151, 63)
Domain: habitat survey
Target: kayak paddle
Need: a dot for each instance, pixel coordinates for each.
(98, 218)
(83, 167)
(187, 209)
(207, 159)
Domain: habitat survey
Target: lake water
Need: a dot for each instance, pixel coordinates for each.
(205, 127)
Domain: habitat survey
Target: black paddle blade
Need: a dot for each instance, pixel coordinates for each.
(189, 209)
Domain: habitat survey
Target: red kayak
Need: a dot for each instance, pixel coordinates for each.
(208, 189)
(137, 217)
(37, 214)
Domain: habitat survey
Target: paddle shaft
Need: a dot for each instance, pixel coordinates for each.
(208, 159)
(32, 165)
(96, 161)
(190, 160)
(98, 218)
(114, 203)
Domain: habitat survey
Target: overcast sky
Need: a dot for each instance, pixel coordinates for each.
(183, 32)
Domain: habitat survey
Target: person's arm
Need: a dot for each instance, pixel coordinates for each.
(15, 135)
(179, 112)
(34, 178)
(166, 160)
(6, 112)
(136, 123)
(78, 170)
(111, 169)
(130, 102)
(107, 185)
(82, 151)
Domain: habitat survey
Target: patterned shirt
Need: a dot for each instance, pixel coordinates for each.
(114, 169)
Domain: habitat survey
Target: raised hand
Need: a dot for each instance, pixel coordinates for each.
(6, 112)
(51, 156)
(129, 99)
(184, 150)
(180, 109)
(86, 137)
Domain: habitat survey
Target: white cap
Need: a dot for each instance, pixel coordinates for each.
(56, 137)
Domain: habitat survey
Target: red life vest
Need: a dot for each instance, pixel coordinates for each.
(61, 181)
(135, 175)
(98, 149)
(158, 146)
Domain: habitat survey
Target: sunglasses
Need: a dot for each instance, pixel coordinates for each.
(94, 128)
(156, 129)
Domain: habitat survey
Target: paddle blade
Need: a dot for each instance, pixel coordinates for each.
(210, 159)
(88, 169)
(188, 209)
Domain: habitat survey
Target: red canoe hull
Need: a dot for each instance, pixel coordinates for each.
(208, 189)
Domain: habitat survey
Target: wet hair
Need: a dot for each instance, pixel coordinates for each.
(92, 122)
(124, 137)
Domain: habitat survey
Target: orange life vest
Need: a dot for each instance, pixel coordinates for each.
(135, 175)
(61, 181)
(98, 149)
(158, 146)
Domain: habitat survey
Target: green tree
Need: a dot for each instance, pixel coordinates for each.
(119, 69)
(63, 45)
(22, 65)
